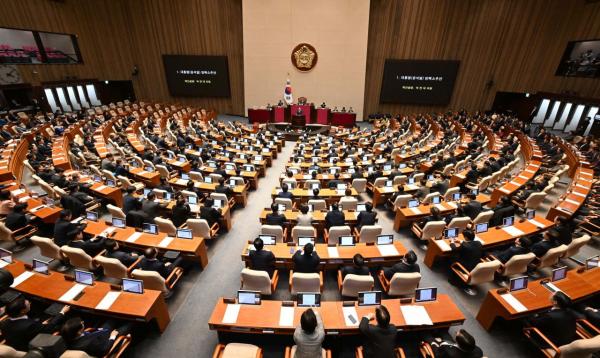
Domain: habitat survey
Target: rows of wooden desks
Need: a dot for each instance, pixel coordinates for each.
(35, 205)
(318, 216)
(266, 318)
(113, 194)
(303, 195)
(573, 199)
(240, 192)
(225, 213)
(495, 236)
(536, 297)
(99, 299)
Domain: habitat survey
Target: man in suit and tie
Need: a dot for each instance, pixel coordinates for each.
(95, 342)
(223, 189)
(441, 185)
(503, 210)
(260, 259)
(334, 217)
(64, 230)
(380, 339)
(358, 267)
(150, 262)
(469, 252)
(113, 252)
(151, 207)
(129, 199)
(473, 207)
(274, 217)
(520, 247)
(465, 346)
(19, 328)
(541, 247)
(306, 261)
(559, 324)
(367, 217)
(285, 193)
(407, 265)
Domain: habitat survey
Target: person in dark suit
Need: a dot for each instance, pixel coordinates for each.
(540, 248)
(407, 265)
(380, 340)
(209, 213)
(469, 252)
(150, 262)
(473, 207)
(107, 163)
(260, 259)
(129, 199)
(441, 185)
(334, 217)
(472, 175)
(524, 194)
(332, 184)
(113, 252)
(150, 207)
(503, 210)
(91, 247)
(274, 217)
(74, 192)
(307, 261)
(74, 205)
(64, 230)
(96, 342)
(181, 211)
(367, 217)
(563, 232)
(358, 267)
(285, 193)
(592, 315)
(559, 324)
(435, 216)
(465, 347)
(136, 217)
(19, 328)
(520, 247)
(17, 219)
(223, 189)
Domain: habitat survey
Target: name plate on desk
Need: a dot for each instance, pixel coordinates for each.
(108, 300)
(133, 237)
(72, 293)
(513, 231)
(333, 252)
(165, 242)
(416, 316)
(387, 250)
(513, 302)
(231, 313)
(536, 223)
(286, 316)
(350, 316)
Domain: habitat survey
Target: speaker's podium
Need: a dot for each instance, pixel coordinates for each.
(298, 120)
(306, 110)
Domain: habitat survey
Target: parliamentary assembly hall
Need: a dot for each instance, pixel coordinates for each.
(300, 178)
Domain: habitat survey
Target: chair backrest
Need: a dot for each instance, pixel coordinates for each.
(353, 284)
(196, 176)
(433, 229)
(152, 280)
(291, 183)
(115, 211)
(348, 203)
(552, 256)
(368, 233)
(305, 282)
(47, 247)
(379, 182)
(580, 348)
(401, 201)
(460, 223)
(447, 169)
(159, 193)
(148, 163)
(165, 225)
(336, 231)
(404, 283)
(360, 185)
(298, 231)
(310, 182)
(318, 204)
(5, 233)
(48, 189)
(10, 352)
(125, 182)
(109, 175)
(77, 257)
(240, 350)
(219, 196)
(418, 177)
(215, 177)
(484, 183)
(188, 193)
(400, 180)
(112, 267)
(483, 217)
(284, 201)
(483, 272)
(199, 227)
(517, 264)
(255, 280)
(429, 197)
(576, 245)
(95, 169)
(162, 170)
(238, 180)
(450, 192)
(274, 230)
(535, 200)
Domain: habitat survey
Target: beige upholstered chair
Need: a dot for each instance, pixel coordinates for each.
(360, 185)
(352, 284)
(429, 197)
(483, 217)
(223, 198)
(290, 352)
(196, 176)
(10, 352)
(109, 175)
(275, 230)
(482, 273)
(516, 265)
(47, 247)
(305, 282)
(431, 230)
(581, 348)
(166, 226)
(115, 211)
(78, 258)
(576, 245)
(188, 193)
(401, 284)
(400, 180)
(154, 281)
(309, 183)
(401, 201)
(318, 204)
(201, 229)
(368, 233)
(255, 280)
(551, 257)
(284, 201)
(237, 350)
(535, 200)
(459, 223)
(303, 231)
(113, 267)
(126, 182)
(333, 234)
(450, 192)
(215, 177)
(16, 236)
(379, 182)
(291, 183)
(348, 203)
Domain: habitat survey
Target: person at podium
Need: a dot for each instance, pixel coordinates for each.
(299, 111)
(323, 105)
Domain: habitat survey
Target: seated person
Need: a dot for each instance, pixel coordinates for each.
(524, 194)
(129, 199)
(73, 204)
(558, 324)
(285, 193)
(17, 219)
(335, 217)
(64, 230)
(209, 213)
(407, 265)
(304, 218)
(459, 214)
(223, 189)
(96, 342)
(113, 252)
(151, 207)
(82, 197)
(18, 329)
(164, 185)
(307, 261)
(464, 347)
(91, 246)
(541, 247)
(358, 267)
(6, 202)
(290, 178)
(181, 211)
(260, 259)
(563, 231)
(503, 210)
(150, 262)
(469, 252)
(380, 339)
(520, 247)
(332, 184)
(274, 217)
(309, 335)
(473, 207)
(190, 186)
(367, 217)
(435, 216)
(136, 217)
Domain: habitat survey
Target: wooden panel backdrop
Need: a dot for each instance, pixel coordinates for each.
(517, 44)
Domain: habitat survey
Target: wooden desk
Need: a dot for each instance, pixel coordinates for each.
(318, 216)
(225, 213)
(303, 195)
(194, 249)
(150, 179)
(35, 206)
(511, 187)
(240, 192)
(264, 318)
(146, 307)
(573, 199)
(495, 236)
(536, 298)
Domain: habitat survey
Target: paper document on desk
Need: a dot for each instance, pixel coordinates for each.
(286, 316)
(3, 263)
(579, 194)
(101, 187)
(411, 187)
(108, 300)
(17, 192)
(108, 231)
(166, 241)
(513, 231)
(551, 286)
(141, 172)
(415, 211)
(231, 313)
(513, 302)
(27, 197)
(72, 292)
(506, 191)
(523, 177)
(33, 210)
(572, 202)
(443, 245)
(387, 250)
(133, 237)
(416, 316)
(536, 223)
(181, 182)
(350, 316)
(477, 238)
(21, 278)
(333, 252)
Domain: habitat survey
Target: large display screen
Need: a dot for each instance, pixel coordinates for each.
(418, 81)
(197, 76)
(35, 47)
(580, 59)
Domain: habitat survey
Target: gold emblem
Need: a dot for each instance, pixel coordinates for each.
(304, 57)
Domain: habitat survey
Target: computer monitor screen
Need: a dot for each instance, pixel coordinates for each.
(530, 214)
(150, 228)
(389, 183)
(181, 159)
(229, 167)
(411, 180)
(305, 240)
(479, 228)
(184, 234)
(346, 240)
(451, 233)
(192, 200)
(166, 195)
(280, 207)
(40, 266)
(208, 180)
(361, 207)
(248, 297)
(559, 273)
(133, 286)
(309, 299)
(426, 294)
(436, 200)
(149, 169)
(508, 221)
(232, 182)
(84, 277)
(97, 178)
(146, 192)
(267, 239)
(118, 222)
(5, 255)
(369, 298)
(413, 203)
(456, 196)
(185, 176)
(110, 182)
(387, 167)
(91, 216)
(518, 283)
(385, 239)
(475, 191)
(402, 166)
(315, 186)
(332, 170)
(218, 204)
(430, 177)
(592, 262)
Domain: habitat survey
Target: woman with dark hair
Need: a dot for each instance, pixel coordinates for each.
(309, 336)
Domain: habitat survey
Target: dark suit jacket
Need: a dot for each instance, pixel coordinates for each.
(507, 254)
(135, 218)
(354, 270)
(211, 215)
(262, 260)
(379, 342)
(91, 248)
(126, 258)
(469, 253)
(224, 190)
(275, 219)
(180, 214)
(558, 325)
(365, 218)
(151, 208)
(564, 234)
(19, 332)
(472, 209)
(96, 343)
(65, 231)
(73, 204)
(452, 351)
(500, 213)
(286, 195)
(400, 267)
(304, 263)
(128, 201)
(541, 248)
(335, 218)
(156, 265)
(15, 221)
(441, 187)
